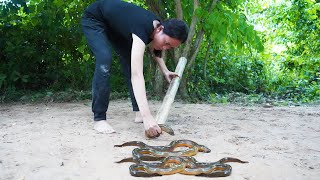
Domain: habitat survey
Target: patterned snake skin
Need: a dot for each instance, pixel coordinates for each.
(169, 161)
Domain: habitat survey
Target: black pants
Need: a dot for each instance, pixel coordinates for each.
(100, 43)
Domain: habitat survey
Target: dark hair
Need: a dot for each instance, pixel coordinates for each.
(176, 28)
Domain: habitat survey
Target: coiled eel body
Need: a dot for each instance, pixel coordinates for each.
(169, 161)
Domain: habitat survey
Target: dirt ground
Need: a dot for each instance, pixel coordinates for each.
(56, 141)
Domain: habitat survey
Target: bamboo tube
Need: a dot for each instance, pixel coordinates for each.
(171, 93)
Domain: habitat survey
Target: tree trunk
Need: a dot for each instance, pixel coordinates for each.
(179, 15)
(191, 47)
(189, 53)
(179, 11)
(206, 60)
(159, 79)
(185, 51)
(157, 7)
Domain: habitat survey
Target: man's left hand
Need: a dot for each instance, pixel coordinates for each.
(170, 75)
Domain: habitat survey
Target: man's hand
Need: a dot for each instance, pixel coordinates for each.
(170, 75)
(152, 129)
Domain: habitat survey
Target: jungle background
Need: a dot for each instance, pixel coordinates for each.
(238, 51)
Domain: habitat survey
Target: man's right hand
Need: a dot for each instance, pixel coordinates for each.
(151, 128)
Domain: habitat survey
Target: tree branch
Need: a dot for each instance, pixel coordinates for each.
(192, 29)
(179, 14)
(199, 39)
(213, 4)
(156, 6)
(206, 60)
(196, 48)
(179, 11)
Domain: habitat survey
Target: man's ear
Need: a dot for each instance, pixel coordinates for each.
(160, 28)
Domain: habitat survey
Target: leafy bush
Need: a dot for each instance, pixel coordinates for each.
(42, 47)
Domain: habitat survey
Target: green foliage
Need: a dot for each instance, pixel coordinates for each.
(226, 25)
(255, 48)
(295, 24)
(42, 46)
(228, 73)
(238, 98)
(287, 68)
(295, 32)
(297, 78)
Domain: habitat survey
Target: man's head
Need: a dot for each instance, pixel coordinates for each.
(176, 29)
(170, 34)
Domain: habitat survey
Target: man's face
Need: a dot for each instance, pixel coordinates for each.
(161, 41)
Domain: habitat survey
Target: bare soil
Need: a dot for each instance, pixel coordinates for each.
(56, 140)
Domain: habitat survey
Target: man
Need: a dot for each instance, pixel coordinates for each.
(128, 29)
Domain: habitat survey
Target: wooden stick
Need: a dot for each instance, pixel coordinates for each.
(171, 93)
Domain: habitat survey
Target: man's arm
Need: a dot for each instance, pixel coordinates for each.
(168, 74)
(138, 85)
(161, 64)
